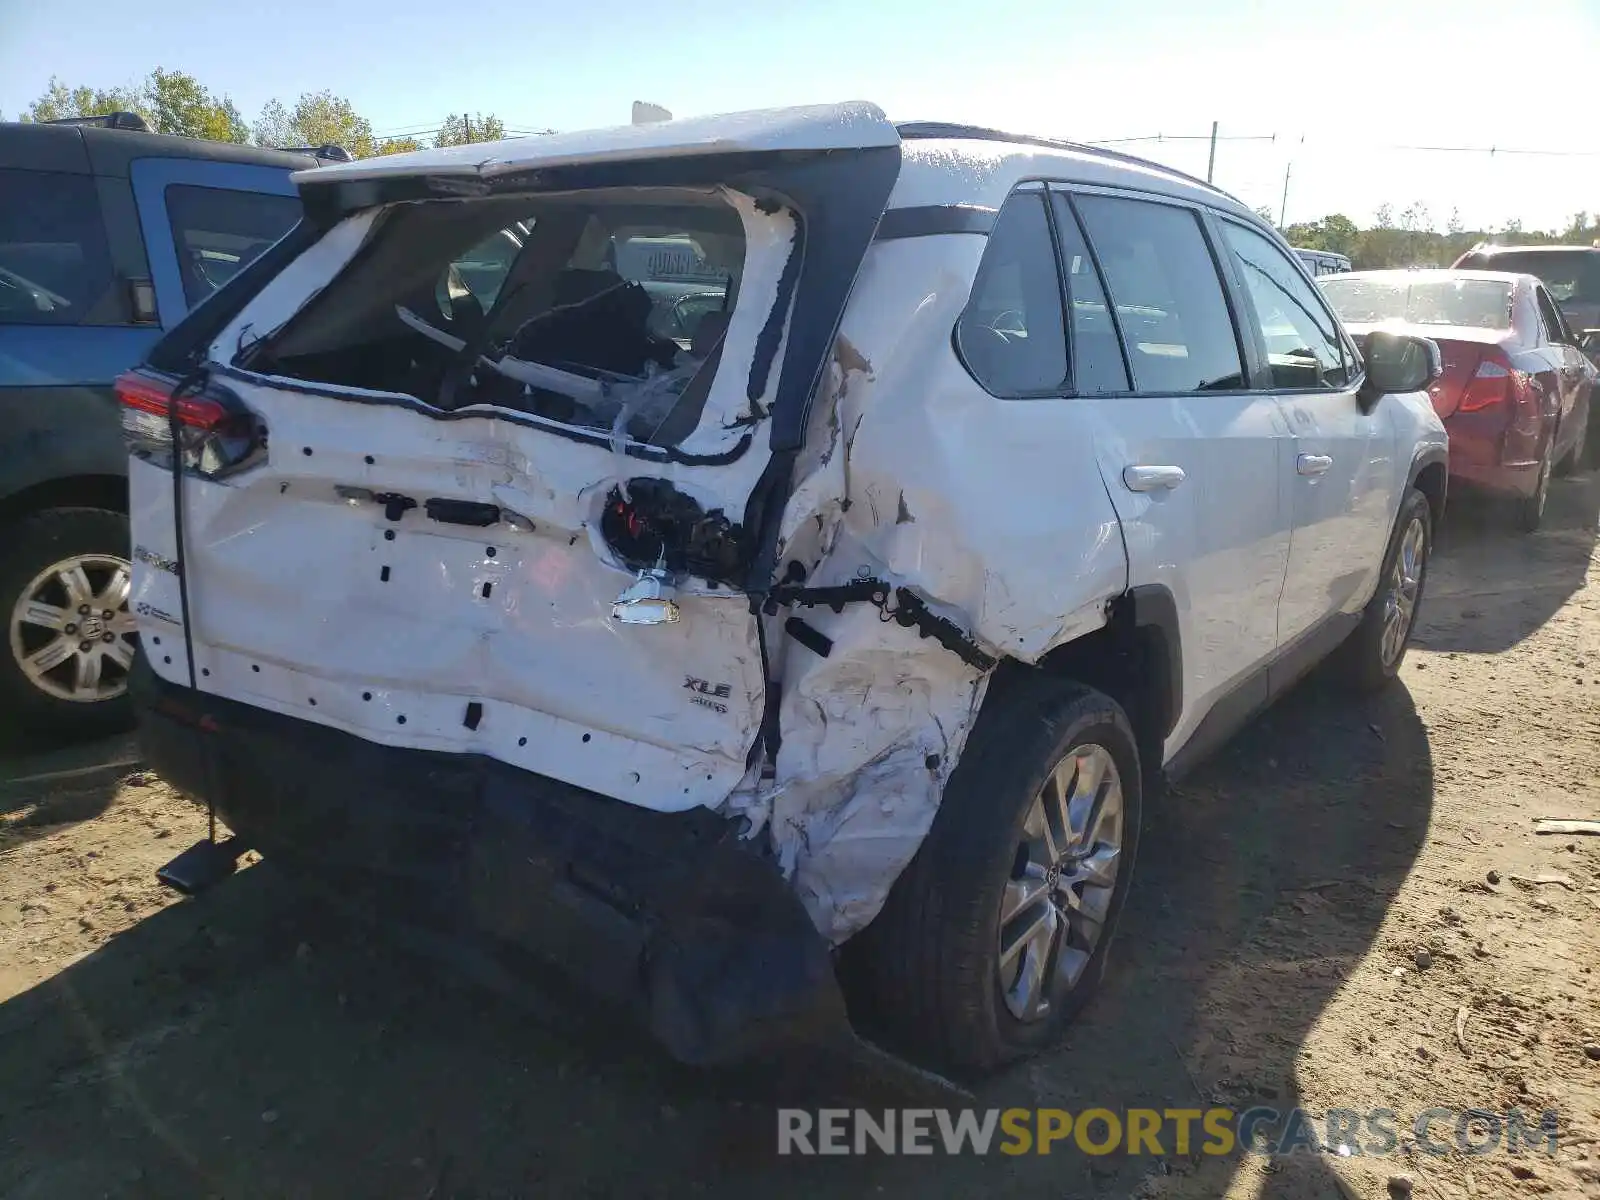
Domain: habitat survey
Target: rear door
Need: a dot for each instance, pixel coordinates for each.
(66, 326)
(1340, 468)
(203, 222)
(1192, 457)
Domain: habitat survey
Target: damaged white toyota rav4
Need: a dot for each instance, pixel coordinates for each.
(731, 555)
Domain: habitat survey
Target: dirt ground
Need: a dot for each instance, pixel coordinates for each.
(247, 1044)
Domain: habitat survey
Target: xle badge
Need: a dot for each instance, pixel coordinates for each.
(707, 694)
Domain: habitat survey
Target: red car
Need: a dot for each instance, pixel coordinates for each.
(1514, 395)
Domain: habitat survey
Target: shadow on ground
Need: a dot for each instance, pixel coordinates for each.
(248, 1045)
(1484, 567)
(51, 780)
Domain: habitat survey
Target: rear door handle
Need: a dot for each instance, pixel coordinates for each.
(1313, 464)
(1152, 479)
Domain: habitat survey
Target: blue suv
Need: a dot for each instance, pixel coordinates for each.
(109, 235)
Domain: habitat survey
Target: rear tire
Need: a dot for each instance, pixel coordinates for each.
(1573, 459)
(40, 558)
(1527, 513)
(942, 970)
(1370, 658)
(1590, 451)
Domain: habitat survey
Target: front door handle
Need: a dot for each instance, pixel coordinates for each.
(1152, 479)
(1313, 464)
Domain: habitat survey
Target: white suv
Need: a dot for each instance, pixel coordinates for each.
(841, 632)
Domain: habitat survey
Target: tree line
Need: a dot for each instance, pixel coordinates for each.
(178, 103)
(1409, 239)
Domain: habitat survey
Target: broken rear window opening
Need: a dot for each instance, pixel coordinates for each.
(602, 309)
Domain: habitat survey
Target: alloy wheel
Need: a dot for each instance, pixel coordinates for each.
(1405, 586)
(1054, 906)
(71, 632)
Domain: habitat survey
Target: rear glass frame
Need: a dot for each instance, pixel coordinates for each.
(389, 273)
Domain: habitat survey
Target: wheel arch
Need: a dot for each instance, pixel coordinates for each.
(1136, 658)
(1430, 474)
(67, 491)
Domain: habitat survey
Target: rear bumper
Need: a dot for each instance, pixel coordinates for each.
(1489, 456)
(672, 917)
(1514, 482)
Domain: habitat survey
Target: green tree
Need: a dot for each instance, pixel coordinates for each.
(1335, 232)
(465, 128)
(169, 101)
(399, 145)
(317, 119)
(59, 102)
(182, 106)
(1339, 234)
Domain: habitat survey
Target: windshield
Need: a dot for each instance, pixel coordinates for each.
(1478, 303)
(1570, 274)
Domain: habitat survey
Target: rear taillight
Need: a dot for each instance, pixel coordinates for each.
(1494, 383)
(216, 432)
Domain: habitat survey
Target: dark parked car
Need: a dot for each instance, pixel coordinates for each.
(1515, 393)
(1571, 273)
(108, 235)
(1323, 262)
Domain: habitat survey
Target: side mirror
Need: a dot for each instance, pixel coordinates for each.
(1589, 342)
(1398, 363)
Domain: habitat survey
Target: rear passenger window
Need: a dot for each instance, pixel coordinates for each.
(1097, 366)
(1299, 333)
(1555, 329)
(55, 267)
(1011, 335)
(1168, 300)
(220, 231)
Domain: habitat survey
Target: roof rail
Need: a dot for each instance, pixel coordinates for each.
(326, 152)
(950, 129)
(114, 120)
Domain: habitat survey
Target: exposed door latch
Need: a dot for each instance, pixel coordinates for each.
(651, 599)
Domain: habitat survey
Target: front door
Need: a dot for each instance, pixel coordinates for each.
(1339, 466)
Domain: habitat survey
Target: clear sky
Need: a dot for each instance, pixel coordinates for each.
(1339, 83)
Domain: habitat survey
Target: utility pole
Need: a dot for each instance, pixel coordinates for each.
(1211, 163)
(1283, 210)
(466, 124)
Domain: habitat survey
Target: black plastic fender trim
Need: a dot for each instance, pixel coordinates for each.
(1151, 606)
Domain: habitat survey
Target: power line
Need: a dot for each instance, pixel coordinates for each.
(1493, 150)
(401, 132)
(1185, 137)
(1301, 140)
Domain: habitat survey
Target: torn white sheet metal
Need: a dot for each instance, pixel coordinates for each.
(994, 508)
(870, 735)
(292, 288)
(914, 475)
